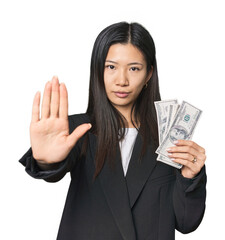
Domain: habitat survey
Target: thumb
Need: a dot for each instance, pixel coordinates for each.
(77, 133)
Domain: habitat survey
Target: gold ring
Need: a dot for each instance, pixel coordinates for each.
(194, 160)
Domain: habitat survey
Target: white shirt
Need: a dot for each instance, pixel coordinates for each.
(126, 147)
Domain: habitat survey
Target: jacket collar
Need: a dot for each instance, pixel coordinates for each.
(139, 170)
(122, 192)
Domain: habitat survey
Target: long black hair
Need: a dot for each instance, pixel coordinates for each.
(107, 121)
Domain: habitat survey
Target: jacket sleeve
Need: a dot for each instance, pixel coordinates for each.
(59, 170)
(189, 201)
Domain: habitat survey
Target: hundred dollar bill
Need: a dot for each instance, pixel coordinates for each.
(172, 112)
(163, 115)
(166, 111)
(182, 127)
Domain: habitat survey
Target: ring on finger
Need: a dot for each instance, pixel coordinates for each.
(194, 160)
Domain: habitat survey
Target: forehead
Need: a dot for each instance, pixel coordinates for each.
(125, 53)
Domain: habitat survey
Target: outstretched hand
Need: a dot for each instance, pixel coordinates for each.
(49, 134)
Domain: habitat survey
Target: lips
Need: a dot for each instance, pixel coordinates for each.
(121, 94)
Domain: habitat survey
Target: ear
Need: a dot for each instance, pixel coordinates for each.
(149, 75)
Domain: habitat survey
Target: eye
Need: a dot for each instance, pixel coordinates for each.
(110, 67)
(134, 69)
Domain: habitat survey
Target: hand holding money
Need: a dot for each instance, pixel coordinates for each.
(190, 155)
(175, 129)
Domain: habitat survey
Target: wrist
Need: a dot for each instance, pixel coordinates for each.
(47, 166)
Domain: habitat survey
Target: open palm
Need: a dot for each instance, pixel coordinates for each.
(49, 134)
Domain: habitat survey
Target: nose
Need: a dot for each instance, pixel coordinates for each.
(121, 79)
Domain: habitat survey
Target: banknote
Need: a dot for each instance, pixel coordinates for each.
(183, 127)
(164, 113)
(172, 112)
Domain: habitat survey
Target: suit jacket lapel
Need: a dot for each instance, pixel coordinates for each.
(114, 187)
(139, 171)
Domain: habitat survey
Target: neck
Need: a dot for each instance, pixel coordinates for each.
(127, 114)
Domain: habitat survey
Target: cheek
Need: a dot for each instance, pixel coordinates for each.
(107, 87)
(107, 81)
(105, 84)
(139, 84)
(137, 91)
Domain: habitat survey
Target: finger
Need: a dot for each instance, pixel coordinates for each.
(63, 105)
(184, 156)
(36, 107)
(45, 108)
(189, 143)
(184, 162)
(194, 167)
(183, 149)
(200, 158)
(78, 133)
(55, 97)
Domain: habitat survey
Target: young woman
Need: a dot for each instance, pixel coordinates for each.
(118, 190)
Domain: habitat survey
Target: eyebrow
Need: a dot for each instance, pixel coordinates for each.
(135, 63)
(132, 63)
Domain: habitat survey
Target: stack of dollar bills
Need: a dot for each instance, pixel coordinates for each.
(174, 122)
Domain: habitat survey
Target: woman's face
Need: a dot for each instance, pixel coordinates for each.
(125, 75)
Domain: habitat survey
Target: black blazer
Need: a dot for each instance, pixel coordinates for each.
(149, 203)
